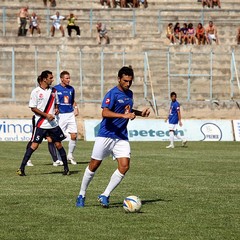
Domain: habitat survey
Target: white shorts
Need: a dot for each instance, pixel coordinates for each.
(212, 37)
(67, 122)
(103, 147)
(57, 25)
(172, 126)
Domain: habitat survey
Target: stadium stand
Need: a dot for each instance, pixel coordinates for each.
(137, 39)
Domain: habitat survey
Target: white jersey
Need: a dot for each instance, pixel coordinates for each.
(45, 101)
(57, 20)
(34, 21)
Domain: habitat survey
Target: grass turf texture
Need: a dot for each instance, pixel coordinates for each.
(187, 193)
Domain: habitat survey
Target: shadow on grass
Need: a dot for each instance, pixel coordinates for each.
(80, 163)
(60, 172)
(120, 204)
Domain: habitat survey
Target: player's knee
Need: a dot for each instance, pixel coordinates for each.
(58, 145)
(94, 164)
(123, 169)
(73, 136)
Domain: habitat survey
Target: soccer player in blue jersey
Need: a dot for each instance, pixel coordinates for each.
(112, 136)
(173, 119)
(67, 111)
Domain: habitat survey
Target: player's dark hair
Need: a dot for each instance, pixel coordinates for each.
(44, 74)
(128, 71)
(173, 94)
(64, 73)
(39, 79)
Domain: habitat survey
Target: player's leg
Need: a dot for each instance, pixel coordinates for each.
(101, 149)
(71, 147)
(178, 136)
(37, 138)
(121, 152)
(53, 152)
(171, 135)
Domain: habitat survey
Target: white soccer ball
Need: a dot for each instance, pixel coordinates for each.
(132, 204)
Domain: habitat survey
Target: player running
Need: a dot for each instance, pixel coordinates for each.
(173, 119)
(112, 136)
(43, 103)
(68, 110)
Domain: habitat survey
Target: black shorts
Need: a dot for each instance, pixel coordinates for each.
(56, 134)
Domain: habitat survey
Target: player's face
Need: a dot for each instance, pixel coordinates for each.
(49, 80)
(125, 82)
(65, 80)
(173, 98)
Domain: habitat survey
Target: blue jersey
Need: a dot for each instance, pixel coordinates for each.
(119, 102)
(173, 113)
(66, 97)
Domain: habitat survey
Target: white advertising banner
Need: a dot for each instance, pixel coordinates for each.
(15, 129)
(157, 130)
(236, 126)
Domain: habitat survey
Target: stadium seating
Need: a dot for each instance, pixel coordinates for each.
(133, 32)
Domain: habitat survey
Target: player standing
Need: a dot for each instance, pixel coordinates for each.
(173, 119)
(112, 136)
(43, 103)
(67, 111)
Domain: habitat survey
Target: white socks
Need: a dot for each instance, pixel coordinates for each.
(171, 136)
(116, 178)
(71, 147)
(87, 178)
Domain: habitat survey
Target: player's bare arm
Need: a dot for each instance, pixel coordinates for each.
(50, 117)
(179, 118)
(107, 113)
(76, 112)
(144, 113)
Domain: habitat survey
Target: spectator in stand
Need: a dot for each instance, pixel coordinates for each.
(144, 3)
(102, 33)
(206, 3)
(184, 34)
(211, 33)
(34, 24)
(57, 24)
(177, 31)
(71, 25)
(238, 36)
(52, 3)
(200, 34)
(170, 33)
(108, 5)
(215, 3)
(23, 16)
(191, 34)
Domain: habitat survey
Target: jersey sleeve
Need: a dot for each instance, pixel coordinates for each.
(108, 100)
(56, 97)
(177, 106)
(33, 100)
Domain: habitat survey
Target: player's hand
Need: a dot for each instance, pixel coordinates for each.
(56, 111)
(76, 112)
(180, 124)
(50, 117)
(145, 112)
(166, 120)
(129, 115)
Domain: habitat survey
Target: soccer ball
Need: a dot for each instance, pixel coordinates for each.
(132, 204)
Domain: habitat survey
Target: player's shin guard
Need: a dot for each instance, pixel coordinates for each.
(116, 178)
(53, 151)
(63, 155)
(26, 157)
(87, 178)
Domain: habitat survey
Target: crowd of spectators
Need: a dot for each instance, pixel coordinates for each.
(123, 3)
(210, 3)
(187, 34)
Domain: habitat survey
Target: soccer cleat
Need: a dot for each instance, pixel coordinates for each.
(57, 163)
(170, 146)
(80, 201)
(104, 201)
(184, 142)
(29, 163)
(71, 159)
(21, 173)
(66, 172)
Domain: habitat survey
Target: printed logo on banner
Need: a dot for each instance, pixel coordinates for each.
(211, 132)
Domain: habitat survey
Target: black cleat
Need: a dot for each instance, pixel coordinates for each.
(66, 173)
(21, 173)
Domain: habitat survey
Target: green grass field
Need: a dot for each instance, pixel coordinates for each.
(187, 193)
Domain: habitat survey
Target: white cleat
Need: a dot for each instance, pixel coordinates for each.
(71, 159)
(29, 163)
(184, 143)
(170, 146)
(57, 163)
